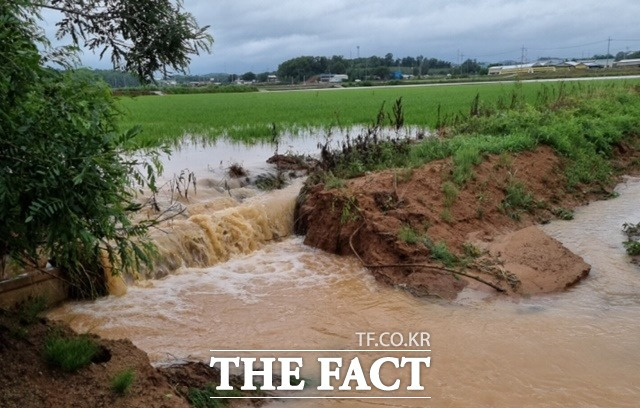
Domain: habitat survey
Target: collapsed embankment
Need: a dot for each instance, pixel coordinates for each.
(416, 229)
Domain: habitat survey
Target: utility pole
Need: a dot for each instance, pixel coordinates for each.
(608, 50)
(523, 56)
(358, 47)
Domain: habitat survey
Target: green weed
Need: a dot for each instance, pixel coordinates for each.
(516, 200)
(350, 211)
(632, 245)
(202, 397)
(69, 354)
(563, 213)
(409, 235)
(331, 182)
(446, 216)
(440, 252)
(122, 382)
(450, 192)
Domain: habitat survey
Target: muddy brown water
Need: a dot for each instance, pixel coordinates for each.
(579, 348)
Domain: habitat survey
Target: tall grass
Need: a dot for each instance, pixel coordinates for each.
(69, 353)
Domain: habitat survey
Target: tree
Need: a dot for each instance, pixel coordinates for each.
(263, 76)
(248, 76)
(66, 186)
(143, 36)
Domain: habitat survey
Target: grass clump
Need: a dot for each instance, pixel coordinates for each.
(69, 353)
(450, 192)
(440, 252)
(464, 161)
(409, 235)
(332, 182)
(122, 382)
(563, 213)
(202, 397)
(516, 200)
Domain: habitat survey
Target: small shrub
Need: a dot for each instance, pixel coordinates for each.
(69, 354)
(470, 250)
(632, 247)
(121, 383)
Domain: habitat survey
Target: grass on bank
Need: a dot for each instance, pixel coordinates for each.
(201, 397)
(69, 353)
(249, 116)
(122, 382)
(583, 123)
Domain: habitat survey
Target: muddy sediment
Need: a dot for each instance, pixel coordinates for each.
(27, 381)
(366, 218)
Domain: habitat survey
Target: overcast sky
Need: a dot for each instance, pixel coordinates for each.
(256, 35)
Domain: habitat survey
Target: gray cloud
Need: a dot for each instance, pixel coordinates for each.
(257, 35)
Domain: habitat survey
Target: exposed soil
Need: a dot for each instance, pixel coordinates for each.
(367, 215)
(27, 381)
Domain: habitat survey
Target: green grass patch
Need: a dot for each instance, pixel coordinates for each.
(450, 192)
(440, 252)
(517, 200)
(248, 116)
(563, 213)
(69, 353)
(332, 182)
(122, 382)
(202, 397)
(409, 235)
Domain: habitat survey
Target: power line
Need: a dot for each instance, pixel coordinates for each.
(569, 47)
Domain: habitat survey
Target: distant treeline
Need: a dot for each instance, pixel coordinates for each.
(374, 67)
(183, 89)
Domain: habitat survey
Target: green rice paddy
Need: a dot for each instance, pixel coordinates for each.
(249, 116)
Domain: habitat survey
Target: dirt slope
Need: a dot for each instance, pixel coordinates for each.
(368, 214)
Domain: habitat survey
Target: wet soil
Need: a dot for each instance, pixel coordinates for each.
(365, 218)
(27, 381)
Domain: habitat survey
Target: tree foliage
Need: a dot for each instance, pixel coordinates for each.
(143, 36)
(66, 183)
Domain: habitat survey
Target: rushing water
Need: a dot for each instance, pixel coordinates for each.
(579, 348)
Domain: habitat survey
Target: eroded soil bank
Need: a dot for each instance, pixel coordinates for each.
(26, 380)
(418, 230)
